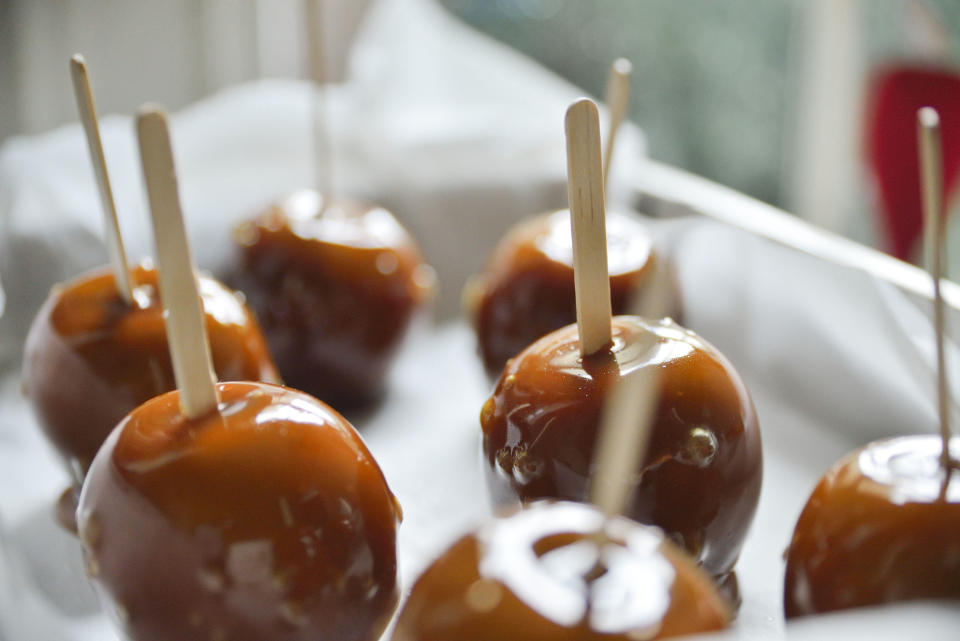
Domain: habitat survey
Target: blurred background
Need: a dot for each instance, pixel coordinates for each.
(771, 98)
(717, 81)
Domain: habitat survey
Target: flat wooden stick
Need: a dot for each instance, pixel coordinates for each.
(617, 98)
(323, 168)
(588, 227)
(931, 179)
(623, 440)
(189, 347)
(88, 116)
(628, 412)
(653, 298)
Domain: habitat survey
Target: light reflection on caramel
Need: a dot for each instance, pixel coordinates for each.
(877, 530)
(523, 577)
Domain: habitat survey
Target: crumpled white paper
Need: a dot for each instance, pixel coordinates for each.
(460, 137)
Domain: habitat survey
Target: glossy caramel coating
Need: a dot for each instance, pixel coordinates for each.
(527, 289)
(878, 529)
(522, 578)
(90, 358)
(701, 478)
(266, 520)
(335, 291)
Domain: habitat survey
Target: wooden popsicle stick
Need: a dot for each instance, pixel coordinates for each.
(622, 442)
(931, 179)
(628, 412)
(323, 168)
(189, 347)
(588, 227)
(653, 298)
(88, 116)
(617, 99)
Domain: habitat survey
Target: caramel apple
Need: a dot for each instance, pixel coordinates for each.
(527, 289)
(700, 480)
(91, 358)
(881, 526)
(335, 288)
(242, 510)
(527, 577)
(266, 519)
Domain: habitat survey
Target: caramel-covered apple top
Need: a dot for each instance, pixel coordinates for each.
(527, 288)
(345, 239)
(91, 358)
(266, 519)
(522, 577)
(878, 528)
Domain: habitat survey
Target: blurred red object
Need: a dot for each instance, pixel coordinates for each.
(896, 93)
